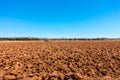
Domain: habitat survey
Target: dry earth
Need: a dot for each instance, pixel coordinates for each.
(60, 60)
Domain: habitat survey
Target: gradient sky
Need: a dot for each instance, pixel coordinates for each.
(60, 18)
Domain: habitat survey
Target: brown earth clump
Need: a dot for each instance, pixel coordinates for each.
(60, 60)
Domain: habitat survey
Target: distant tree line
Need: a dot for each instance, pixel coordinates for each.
(46, 39)
(19, 38)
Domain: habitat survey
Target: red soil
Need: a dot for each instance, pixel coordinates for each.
(60, 60)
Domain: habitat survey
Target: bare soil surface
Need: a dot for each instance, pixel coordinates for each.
(60, 60)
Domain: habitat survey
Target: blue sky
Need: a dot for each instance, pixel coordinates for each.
(60, 18)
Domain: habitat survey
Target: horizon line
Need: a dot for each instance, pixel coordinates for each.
(91, 38)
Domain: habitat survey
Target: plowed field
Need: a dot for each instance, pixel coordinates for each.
(60, 60)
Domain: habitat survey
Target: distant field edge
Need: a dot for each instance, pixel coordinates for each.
(53, 39)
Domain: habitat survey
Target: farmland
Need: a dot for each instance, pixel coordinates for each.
(60, 60)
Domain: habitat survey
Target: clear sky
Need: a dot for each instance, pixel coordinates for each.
(60, 18)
